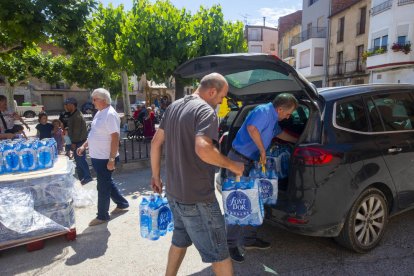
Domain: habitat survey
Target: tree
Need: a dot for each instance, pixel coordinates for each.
(25, 21)
(18, 67)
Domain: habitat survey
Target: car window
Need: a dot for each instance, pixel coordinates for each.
(249, 77)
(350, 114)
(300, 115)
(391, 112)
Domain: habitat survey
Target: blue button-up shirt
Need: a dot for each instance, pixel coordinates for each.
(265, 118)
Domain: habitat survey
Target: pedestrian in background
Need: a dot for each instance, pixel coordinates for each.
(77, 133)
(7, 117)
(44, 128)
(189, 129)
(57, 134)
(103, 143)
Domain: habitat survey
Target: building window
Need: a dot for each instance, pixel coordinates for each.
(340, 63)
(401, 40)
(304, 59)
(309, 31)
(362, 21)
(381, 42)
(254, 35)
(341, 29)
(255, 49)
(319, 23)
(311, 2)
(360, 50)
(318, 57)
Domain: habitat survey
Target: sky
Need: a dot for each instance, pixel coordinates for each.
(250, 12)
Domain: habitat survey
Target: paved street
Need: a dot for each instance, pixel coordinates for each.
(118, 249)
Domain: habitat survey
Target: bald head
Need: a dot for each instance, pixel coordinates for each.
(213, 88)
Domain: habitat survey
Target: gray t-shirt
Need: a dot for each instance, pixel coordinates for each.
(189, 179)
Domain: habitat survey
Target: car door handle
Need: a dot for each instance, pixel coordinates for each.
(394, 150)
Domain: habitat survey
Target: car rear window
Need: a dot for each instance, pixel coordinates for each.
(246, 78)
(350, 114)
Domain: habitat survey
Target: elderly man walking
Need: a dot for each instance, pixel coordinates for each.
(189, 128)
(77, 133)
(103, 143)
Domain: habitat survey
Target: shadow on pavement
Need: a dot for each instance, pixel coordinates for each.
(91, 244)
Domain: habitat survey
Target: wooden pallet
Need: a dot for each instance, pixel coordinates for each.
(37, 243)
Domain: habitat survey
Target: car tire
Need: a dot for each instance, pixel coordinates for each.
(29, 114)
(366, 222)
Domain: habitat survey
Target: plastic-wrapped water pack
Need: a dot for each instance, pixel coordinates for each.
(242, 203)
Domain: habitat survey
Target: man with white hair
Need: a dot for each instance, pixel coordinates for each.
(103, 143)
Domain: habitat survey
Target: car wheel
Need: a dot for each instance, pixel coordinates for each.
(366, 222)
(29, 114)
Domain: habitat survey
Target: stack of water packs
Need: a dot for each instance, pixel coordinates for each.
(155, 217)
(36, 206)
(266, 179)
(242, 203)
(21, 155)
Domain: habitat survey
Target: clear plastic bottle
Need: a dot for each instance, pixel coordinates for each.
(27, 157)
(1, 158)
(144, 219)
(44, 155)
(11, 157)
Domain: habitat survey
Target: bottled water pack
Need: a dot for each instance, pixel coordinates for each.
(281, 156)
(242, 203)
(267, 180)
(155, 217)
(21, 155)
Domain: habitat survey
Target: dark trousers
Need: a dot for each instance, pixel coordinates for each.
(82, 167)
(240, 235)
(106, 189)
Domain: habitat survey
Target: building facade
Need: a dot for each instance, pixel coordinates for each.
(310, 45)
(289, 26)
(348, 40)
(390, 58)
(261, 39)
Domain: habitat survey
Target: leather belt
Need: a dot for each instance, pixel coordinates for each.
(240, 155)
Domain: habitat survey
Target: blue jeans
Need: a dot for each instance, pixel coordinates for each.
(106, 189)
(240, 235)
(82, 167)
(201, 224)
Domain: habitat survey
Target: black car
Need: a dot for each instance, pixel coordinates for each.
(352, 167)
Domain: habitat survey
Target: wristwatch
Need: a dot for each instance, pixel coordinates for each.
(111, 159)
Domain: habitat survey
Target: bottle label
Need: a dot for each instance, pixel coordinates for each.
(238, 205)
(164, 218)
(266, 189)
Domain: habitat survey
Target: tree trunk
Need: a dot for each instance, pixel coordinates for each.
(9, 92)
(125, 93)
(179, 88)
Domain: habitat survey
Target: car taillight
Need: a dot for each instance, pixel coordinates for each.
(313, 156)
(294, 220)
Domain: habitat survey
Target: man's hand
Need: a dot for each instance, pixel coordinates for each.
(237, 168)
(110, 166)
(262, 158)
(80, 151)
(156, 184)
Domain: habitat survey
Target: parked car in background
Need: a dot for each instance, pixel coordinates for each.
(28, 110)
(136, 104)
(88, 108)
(352, 166)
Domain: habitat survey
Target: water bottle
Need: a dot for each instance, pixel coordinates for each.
(27, 157)
(170, 226)
(44, 155)
(164, 218)
(284, 163)
(154, 205)
(11, 157)
(144, 219)
(1, 158)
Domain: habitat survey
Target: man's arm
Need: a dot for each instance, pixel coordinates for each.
(207, 152)
(257, 139)
(114, 150)
(18, 117)
(287, 137)
(156, 150)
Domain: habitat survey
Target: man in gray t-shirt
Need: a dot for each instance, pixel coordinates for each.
(188, 129)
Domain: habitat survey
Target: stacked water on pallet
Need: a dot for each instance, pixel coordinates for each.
(35, 206)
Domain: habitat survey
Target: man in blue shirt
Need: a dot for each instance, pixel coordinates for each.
(250, 144)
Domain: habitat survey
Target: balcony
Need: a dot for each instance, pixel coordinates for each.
(350, 67)
(405, 2)
(288, 53)
(314, 32)
(381, 7)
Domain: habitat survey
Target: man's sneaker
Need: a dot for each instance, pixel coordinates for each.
(258, 244)
(235, 255)
(86, 181)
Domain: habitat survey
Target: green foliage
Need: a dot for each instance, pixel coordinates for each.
(25, 21)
